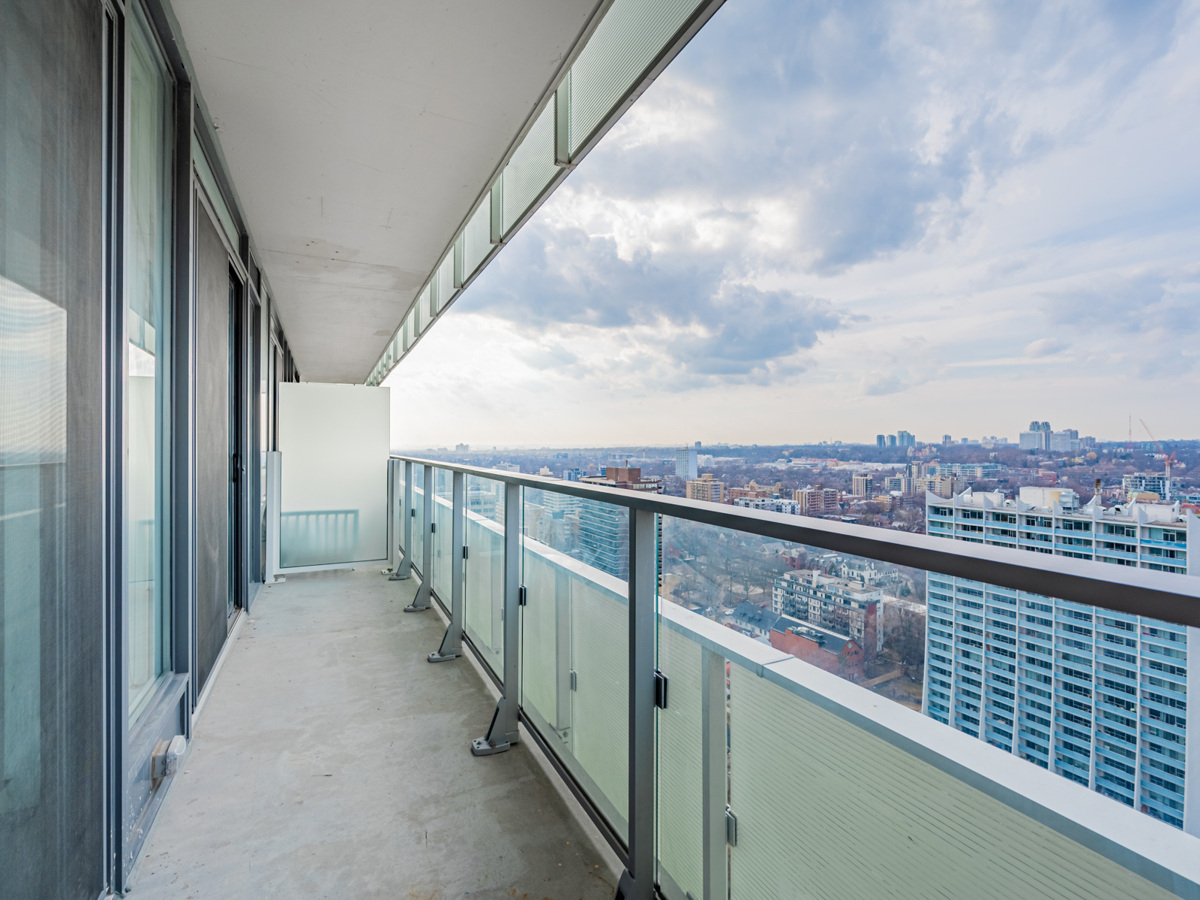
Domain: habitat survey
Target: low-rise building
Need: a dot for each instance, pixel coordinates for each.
(817, 501)
(848, 607)
(820, 647)
(754, 489)
(756, 621)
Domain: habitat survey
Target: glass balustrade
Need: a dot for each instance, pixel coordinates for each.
(836, 725)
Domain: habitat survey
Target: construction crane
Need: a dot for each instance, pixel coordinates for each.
(1170, 459)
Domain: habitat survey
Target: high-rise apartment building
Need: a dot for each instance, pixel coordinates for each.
(862, 485)
(1099, 697)
(706, 488)
(906, 439)
(881, 440)
(685, 463)
(604, 527)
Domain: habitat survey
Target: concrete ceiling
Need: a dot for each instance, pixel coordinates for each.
(358, 134)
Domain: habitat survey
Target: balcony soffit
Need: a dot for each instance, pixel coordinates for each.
(357, 136)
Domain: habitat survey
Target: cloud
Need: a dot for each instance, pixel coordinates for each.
(1044, 347)
(679, 306)
(1129, 304)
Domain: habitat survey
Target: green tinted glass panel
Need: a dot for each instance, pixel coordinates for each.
(625, 43)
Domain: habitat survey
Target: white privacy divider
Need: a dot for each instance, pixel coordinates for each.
(328, 490)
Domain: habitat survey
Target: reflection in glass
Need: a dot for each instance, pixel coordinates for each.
(32, 445)
(147, 276)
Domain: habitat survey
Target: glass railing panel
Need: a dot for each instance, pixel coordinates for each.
(575, 632)
(399, 500)
(418, 518)
(443, 535)
(815, 794)
(484, 570)
(680, 750)
(870, 703)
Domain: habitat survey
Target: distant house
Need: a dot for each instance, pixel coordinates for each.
(756, 621)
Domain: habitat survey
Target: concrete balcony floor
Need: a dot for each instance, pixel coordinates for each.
(332, 760)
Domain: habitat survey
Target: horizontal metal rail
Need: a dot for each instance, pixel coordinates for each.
(1146, 592)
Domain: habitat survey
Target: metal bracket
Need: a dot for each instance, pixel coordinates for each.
(574, 680)
(433, 527)
(464, 551)
(660, 689)
(730, 827)
(522, 596)
(498, 739)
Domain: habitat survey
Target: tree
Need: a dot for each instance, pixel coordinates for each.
(907, 637)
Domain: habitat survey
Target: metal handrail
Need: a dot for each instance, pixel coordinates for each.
(1159, 595)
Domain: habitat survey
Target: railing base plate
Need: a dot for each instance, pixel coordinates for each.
(442, 657)
(414, 608)
(484, 747)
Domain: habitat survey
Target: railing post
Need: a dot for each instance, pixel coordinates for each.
(423, 600)
(274, 473)
(404, 569)
(714, 766)
(452, 640)
(393, 499)
(503, 733)
(637, 881)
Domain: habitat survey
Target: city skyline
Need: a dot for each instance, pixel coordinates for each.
(943, 248)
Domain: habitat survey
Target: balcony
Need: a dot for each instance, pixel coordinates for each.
(333, 757)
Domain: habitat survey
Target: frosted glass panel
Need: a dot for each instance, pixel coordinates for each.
(484, 582)
(443, 535)
(826, 809)
(421, 312)
(628, 38)
(530, 169)
(574, 661)
(600, 701)
(333, 497)
(445, 281)
(477, 237)
(680, 769)
(418, 519)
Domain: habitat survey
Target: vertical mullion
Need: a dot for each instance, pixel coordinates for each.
(637, 882)
(714, 756)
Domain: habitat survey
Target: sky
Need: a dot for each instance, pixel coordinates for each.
(826, 221)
